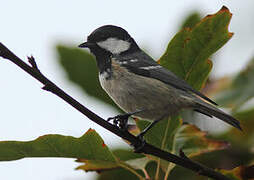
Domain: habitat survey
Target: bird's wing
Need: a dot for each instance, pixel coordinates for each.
(149, 68)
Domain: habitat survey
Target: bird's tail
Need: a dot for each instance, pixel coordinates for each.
(209, 110)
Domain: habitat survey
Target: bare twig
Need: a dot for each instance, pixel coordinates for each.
(31, 60)
(146, 148)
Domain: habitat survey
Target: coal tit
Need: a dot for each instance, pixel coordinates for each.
(140, 86)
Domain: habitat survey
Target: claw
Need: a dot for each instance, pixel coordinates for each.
(110, 118)
(122, 119)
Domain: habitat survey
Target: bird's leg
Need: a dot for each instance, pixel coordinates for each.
(141, 135)
(122, 119)
(138, 147)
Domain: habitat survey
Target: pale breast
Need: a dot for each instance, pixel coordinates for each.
(133, 92)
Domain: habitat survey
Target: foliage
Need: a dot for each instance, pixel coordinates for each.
(240, 90)
(187, 55)
(81, 70)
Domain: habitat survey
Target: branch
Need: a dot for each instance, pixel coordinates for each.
(146, 148)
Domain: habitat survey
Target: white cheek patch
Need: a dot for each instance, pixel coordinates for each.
(115, 46)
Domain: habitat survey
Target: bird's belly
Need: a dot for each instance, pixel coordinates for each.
(133, 93)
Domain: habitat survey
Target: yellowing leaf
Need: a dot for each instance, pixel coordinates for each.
(193, 142)
(240, 173)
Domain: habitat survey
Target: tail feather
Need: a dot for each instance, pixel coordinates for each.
(210, 110)
(203, 112)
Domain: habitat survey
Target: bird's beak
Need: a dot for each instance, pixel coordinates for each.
(86, 45)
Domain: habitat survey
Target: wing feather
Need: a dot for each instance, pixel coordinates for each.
(149, 68)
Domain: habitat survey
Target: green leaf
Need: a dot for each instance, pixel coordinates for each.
(125, 159)
(89, 149)
(240, 90)
(188, 52)
(191, 20)
(81, 69)
(119, 173)
(125, 155)
(90, 146)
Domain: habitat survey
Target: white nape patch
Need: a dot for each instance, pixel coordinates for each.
(133, 60)
(150, 67)
(115, 46)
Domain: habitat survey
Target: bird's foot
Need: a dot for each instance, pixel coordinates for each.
(122, 119)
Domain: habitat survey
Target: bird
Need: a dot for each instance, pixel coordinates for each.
(139, 85)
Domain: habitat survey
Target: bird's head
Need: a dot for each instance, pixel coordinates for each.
(110, 40)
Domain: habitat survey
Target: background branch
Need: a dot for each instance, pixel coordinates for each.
(183, 161)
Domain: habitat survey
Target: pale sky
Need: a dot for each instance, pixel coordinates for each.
(36, 27)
